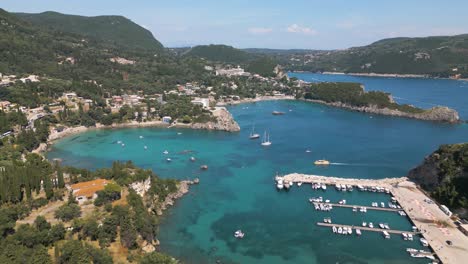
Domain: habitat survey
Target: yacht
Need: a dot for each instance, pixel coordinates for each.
(340, 230)
(323, 186)
(254, 135)
(364, 224)
(266, 140)
(371, 225)
(358, 232)
(382, 226)
(334, 229)
(321, 162)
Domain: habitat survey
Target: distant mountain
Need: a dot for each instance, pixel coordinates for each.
(219, 53)
(436, 56)
(116, 30)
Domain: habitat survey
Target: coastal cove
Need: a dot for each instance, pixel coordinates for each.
(237, 190)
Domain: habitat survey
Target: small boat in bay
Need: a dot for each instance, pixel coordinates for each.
(254, 135)
(204, 167)
(239, 234)
(192, 159)
(277, 113)
(321, 162)
(165, 152)
(266, 140)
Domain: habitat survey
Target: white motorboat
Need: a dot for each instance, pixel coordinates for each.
(123, 145)
(371, 225)
(168, 160)
(141, 137)
(404, 236)
(350, 231)
(358, 232)
(340, 230)
(410, 237)
(334, 229)
(364, 224)
(308, 151)
(382, 226)
(165, 152)
(323, 186)
(386, 234)
(299, 184)
(239, 234)
(424, 242)
(192, 159)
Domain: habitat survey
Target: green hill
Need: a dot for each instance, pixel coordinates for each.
(219, 53)
(444, 174)
(116, 30)
(436, 56)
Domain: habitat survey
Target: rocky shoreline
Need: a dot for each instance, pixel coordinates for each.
(437, 114)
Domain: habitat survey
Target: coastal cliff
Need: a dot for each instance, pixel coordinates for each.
(444, 174)
(438, 113)
(224, 122)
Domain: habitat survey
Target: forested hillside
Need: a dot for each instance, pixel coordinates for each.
(116, 30)
(444, 174)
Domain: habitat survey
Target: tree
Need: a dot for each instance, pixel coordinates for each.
(68, 212)
(128, 232)
(41, 223)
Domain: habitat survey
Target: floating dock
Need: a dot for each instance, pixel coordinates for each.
(366, 228)
(435, 226)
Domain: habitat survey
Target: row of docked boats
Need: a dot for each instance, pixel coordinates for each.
(323, 207)
(282, 184)
(344, 187)
(345, 230)
(319, 186)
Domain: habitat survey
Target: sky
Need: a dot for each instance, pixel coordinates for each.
(307, 24)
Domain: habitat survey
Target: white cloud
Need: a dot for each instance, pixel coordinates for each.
(259, 30)
(295, 28)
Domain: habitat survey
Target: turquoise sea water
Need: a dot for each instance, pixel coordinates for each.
(237, 191)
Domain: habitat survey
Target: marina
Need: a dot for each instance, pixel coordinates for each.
(436, 229)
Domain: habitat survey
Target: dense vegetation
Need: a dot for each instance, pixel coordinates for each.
(116, 30)
(354, 95)
(219, 53)
(445, 175)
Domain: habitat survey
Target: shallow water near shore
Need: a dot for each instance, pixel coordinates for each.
(237, 191)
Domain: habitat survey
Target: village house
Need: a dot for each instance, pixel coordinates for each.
(5, 106)
(69, 97)
(87, 191)
(204, 102)
(232, 72)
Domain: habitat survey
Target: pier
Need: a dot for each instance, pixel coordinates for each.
(366, 228)
(367, 207)
(435, 226)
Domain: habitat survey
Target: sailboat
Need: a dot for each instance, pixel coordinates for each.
(266, 140)
(254, 135)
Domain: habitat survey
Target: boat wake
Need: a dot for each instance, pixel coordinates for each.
(340, 164)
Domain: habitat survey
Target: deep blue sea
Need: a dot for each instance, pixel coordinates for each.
(237, 191)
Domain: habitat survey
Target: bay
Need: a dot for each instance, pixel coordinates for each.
(238, 192)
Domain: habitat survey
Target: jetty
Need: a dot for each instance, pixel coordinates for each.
(392, 231)
(367, 207)
(444, 238)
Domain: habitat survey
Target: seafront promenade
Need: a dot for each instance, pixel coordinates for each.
(435, 226)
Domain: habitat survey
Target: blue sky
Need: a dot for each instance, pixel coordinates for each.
(325, 24)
